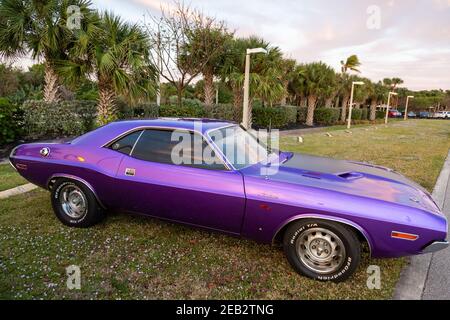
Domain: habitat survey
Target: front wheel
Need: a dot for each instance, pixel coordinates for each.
(75, 205)
(322, 250)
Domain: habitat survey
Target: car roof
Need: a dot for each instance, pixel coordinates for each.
(110, 131)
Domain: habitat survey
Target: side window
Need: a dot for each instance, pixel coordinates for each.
(158, 145)
(125, 145)
(155, 146)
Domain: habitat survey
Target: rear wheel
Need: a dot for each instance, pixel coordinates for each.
(75, 205)
(322, 250)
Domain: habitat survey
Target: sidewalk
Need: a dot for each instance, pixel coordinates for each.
(427, 277)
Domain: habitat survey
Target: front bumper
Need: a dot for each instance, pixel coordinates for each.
(436, 246)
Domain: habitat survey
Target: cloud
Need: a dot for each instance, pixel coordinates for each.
(412, 41)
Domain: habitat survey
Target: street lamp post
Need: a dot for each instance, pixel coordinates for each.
(349, 121)
(388, 105)
(406, 108)
(245, 112)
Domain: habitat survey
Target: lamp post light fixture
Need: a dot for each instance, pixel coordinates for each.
(406, 108)
(388, 105)
(245, 112)
(349, 121)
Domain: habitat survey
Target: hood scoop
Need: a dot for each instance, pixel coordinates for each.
(350, 175)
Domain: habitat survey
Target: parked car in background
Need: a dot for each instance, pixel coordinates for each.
(393, 113)
(442, 115)
(424, 115)
(320, 210)
(412, 115)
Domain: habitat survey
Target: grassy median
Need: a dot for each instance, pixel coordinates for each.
(9, 178)
(137, 257)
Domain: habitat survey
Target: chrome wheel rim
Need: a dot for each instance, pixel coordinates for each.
(320, 250)
(73, 202)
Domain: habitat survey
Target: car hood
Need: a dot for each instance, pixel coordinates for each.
(350, 177)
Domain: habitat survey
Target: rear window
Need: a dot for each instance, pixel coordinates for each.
(126, 144)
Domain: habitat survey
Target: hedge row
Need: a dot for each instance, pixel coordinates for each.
(11, 123)
(278, 117)
(72, 118)
(68, 118)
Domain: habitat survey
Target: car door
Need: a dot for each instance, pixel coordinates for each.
(149, 182)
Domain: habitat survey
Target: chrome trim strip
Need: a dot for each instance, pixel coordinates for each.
(120, 136)
(216, 148)
(343, 221)
(135, 143)
(72, 177)
(435, 246)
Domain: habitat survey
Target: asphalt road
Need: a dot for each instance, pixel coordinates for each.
(427, 277)
(437, 284)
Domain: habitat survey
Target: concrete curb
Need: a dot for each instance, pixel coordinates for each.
(413, 277)
(18, 190)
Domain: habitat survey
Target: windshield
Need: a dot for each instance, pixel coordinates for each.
(239, 147)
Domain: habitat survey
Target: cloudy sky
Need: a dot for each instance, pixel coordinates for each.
(406, 38)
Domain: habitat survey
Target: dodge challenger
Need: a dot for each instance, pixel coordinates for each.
(319, 210)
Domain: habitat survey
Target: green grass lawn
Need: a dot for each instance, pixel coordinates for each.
(9, 178)
(137, 257)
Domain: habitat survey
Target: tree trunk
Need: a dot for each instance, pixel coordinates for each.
(311, 107)
(209, 89)
(51, 84)
(107, 109)
(344, 108)
(373, 110)
(283, 101)
(180, 95)
(329, 103)
(238, 101)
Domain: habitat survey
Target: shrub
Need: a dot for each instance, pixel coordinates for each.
(274, 117)
(326, 116)
(356, 114)
(301, 114)
(142, 111)
(222, 112)
(291, 114)
(364, 114)
(10, 121)
(380, 114)
(186, 111)
(59, 119)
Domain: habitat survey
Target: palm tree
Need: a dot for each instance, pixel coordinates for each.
(287, 75)
(207, 46)
(39, 27)
(117, 54)
(330, 92)
(297, 86)
(317, 80)
(264, 70)
(352, 63)
(377, 96)
(392, 83)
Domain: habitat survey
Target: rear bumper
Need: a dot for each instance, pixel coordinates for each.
(436, 246)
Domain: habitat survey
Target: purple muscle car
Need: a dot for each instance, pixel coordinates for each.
(321, 210)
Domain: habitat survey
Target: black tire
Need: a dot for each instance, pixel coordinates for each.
(303, 260)
(91, 215)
